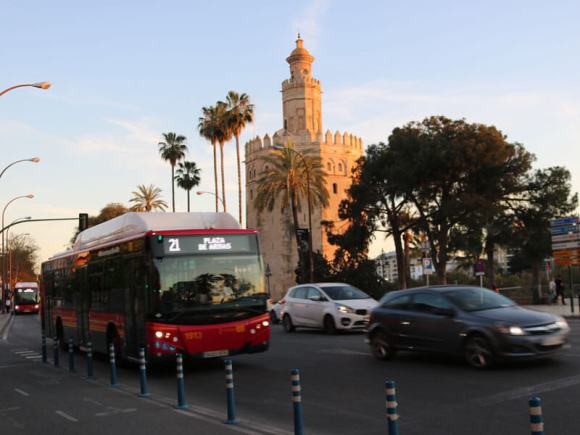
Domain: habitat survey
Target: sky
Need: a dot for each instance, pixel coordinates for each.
(123, 73)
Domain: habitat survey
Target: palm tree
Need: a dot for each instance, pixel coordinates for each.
(187, 177)
(172, 149)
(224, 134)
(147, 198)
(284, 183)
(208, 127)
(240, 113)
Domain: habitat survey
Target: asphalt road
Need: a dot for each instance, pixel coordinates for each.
(342, 387)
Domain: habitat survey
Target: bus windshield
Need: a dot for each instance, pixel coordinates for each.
(25, 296)
(206, 289)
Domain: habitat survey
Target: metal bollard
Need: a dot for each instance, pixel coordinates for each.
(113, 365)
(230, 393)
(181, 404)
(297, 401)
(56, 352)
(536, 418)
(90, 373)
(392, 405)
(71, 356)
(44, 352)
(143, 373)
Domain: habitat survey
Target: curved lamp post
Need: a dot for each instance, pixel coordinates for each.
(33, 160)
(307, 168)
(201, 192)
(30, 196)
(40, 85)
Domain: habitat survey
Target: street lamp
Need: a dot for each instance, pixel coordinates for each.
(33, 160)
(307, 168)
(201, 192)
(30, 196)
(40, 85)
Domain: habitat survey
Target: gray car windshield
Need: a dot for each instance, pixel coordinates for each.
(344, 292)
(478, 299)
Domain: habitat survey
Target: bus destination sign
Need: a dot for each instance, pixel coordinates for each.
(205, 244)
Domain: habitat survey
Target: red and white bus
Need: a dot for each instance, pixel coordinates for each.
(25, 298)
(191, 283)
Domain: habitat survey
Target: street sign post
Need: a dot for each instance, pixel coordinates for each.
(479, 269)
(428, 268)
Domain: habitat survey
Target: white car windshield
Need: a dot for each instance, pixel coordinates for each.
(344, 292)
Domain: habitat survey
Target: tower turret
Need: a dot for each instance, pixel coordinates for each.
(301, 97)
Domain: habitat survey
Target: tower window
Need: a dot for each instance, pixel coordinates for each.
(285, 124)
(329, 167)
(334, 188)
(340, 168)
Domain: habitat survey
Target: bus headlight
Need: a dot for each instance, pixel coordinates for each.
(158, 334)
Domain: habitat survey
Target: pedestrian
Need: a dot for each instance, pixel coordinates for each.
(8, 303)
(552, 292)
(560, 289)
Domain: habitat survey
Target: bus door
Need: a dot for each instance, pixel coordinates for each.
(135, 305)
(82, 304)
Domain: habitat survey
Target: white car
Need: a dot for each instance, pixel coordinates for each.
(275, 313)
(331, 306)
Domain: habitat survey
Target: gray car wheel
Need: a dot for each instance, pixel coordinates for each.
(478, 352)
(381, 347)
(287, 323)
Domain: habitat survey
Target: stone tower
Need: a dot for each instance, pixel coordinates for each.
(302, 126)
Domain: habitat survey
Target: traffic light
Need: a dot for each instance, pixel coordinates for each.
(83, 221)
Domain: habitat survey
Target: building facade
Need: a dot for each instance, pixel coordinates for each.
(301, 126)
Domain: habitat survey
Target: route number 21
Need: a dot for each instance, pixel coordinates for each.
(174, 245)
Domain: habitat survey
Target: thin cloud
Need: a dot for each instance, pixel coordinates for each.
(308, 24)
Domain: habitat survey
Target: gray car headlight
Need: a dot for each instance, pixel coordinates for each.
(562, 324)
(511, 330)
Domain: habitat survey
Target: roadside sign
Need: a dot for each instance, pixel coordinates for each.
(567, 253)
(564, 221)
(565, 261)
(570, 237)
(428, 268)
(566, 245)
(479, 268)
(565, 229)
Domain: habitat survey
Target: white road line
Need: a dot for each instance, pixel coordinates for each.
(33, 356)
(66, 416)
(24, 352)
(19, 391)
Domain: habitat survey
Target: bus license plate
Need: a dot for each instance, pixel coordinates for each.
(215, 353)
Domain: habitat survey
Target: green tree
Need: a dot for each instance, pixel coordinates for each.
(172, 149)
(108, 212)
(147, 198)
(187, 177)
(549, 196)
(209, 127)
(240, 113)
(284, 183)
(449, 170)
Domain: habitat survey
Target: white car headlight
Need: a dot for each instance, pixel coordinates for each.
(511, 330)
(344, 309)
(562, 324)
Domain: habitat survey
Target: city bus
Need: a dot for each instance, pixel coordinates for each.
(25, 298)
(189, 283)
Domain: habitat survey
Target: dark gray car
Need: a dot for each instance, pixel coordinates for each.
(477, 323)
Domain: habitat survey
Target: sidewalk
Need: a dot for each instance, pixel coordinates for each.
(560, 310)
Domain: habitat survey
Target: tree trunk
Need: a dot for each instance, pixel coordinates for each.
(293, 207)
(239, 178)
(400, 256)
(173, 188)
(223, 178)
(215, 176)
(406, 236)
(188, 194)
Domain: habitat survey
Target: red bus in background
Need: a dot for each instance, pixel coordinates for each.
(191, 283)
(25, 298)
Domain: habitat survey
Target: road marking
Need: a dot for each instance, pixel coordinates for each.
(343, 352)
(24, 352)
(33, 356)
(19, 391)
(66, 416)
(7, 329)
(114, 411)
(520, 393)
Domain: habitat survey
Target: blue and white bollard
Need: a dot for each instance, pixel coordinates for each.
(56, 352)
(44, 352)
(392, 408)
(143, 373)
(181, 404)
(113, 365)
(71, 356)
(297, 401)
(230, 393)
(90, 373)
(536, 418)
